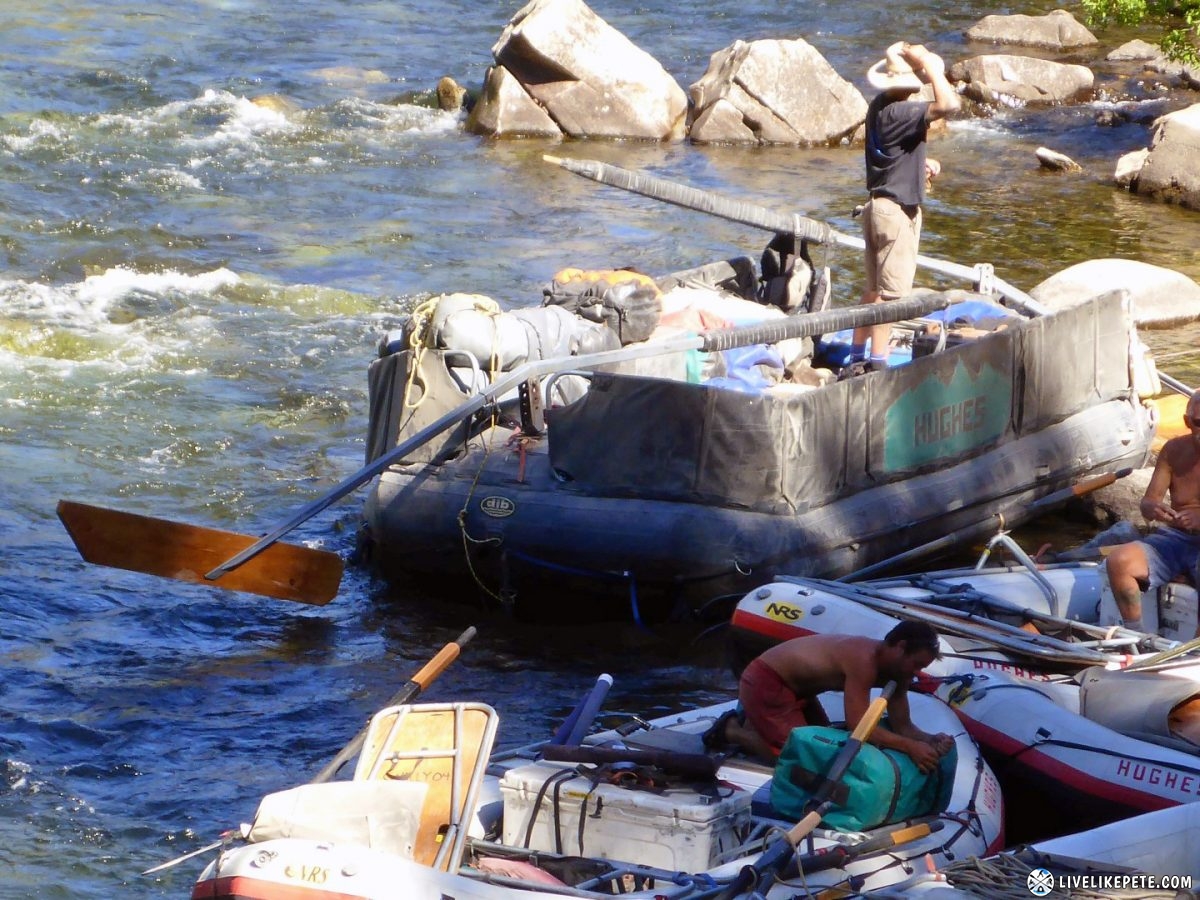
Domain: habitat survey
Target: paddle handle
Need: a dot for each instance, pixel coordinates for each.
(432, 669)
(841, 763)
(412, 688)
(1086, 486)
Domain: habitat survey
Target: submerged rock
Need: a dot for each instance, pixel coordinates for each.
(1058, 162)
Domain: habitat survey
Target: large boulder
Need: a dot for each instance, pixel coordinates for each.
(1161, 297)
(773, 92)
(588, 79)
(1057, 30)
(1169, 171)
(1004, 79)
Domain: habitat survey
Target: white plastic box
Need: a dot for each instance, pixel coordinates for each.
(680, 830)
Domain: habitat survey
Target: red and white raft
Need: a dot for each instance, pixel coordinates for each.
(1080, 712)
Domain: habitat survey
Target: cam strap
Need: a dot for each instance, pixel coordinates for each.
(814, 782)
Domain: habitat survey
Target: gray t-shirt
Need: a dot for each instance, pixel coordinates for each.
(895, 149)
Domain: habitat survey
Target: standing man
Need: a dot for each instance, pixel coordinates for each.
(1173, 549)
(897, 173)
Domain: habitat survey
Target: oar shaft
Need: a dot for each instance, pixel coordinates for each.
(1086, 486)
(759, 217)
(821, 800)
(409, 692)
(1175, 384)
(777, 855)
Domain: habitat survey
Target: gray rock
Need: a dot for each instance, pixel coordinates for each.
(773, 92)
(1057, 30)
(505, 109)
(1005, 79)
(1153, 59)
(1129, 167)
(1055, 161)
(1170, 171)
(587, 77)
(1161, 297)
(1134, 51)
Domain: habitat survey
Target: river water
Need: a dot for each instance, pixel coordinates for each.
(194, 284)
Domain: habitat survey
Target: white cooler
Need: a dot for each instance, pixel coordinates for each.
(680, 830)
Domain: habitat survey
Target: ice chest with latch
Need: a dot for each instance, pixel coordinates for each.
(681, 829)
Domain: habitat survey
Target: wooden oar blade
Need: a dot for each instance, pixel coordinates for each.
(122, 540)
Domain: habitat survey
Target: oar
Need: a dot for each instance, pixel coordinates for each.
(768, 220)
(191, 549)
(778, 854)
(109, 537)
(411, 690)
(839, 855)
(171, 863)
(1175, 384)
(690, 765)
(1086, 486)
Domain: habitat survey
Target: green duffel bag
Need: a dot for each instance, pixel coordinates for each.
(880, 786)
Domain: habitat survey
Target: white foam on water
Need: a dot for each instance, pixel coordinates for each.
(103, 290)
(41, 134)
(102, 334)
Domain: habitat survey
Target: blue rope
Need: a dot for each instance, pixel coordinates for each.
(589, 573)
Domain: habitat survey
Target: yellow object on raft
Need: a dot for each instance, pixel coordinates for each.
(1170, 418)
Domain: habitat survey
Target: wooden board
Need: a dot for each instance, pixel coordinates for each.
(415, 744)
(108, 537)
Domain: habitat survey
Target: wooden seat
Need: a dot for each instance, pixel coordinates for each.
(444, 746)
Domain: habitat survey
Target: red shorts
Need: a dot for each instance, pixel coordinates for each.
(771, 708)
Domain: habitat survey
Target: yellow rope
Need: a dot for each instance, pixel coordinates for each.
(418, 340)
(422, 338)
(461, 518)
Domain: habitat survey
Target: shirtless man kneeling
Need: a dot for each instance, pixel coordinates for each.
(778, 690)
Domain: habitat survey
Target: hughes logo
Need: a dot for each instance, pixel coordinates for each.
(497, 507)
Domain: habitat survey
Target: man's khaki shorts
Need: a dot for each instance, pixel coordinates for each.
(892, 237)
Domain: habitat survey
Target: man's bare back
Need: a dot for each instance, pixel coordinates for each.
(824, 663)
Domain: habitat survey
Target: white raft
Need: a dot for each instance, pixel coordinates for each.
(1090, 720)
(1154, 855)
(520, 819)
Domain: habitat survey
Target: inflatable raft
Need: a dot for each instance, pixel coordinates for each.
(1096, 717)
(643, 812)
(649, 487)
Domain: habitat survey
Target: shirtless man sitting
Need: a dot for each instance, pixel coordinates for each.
(1173, 549)
(778, 690)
